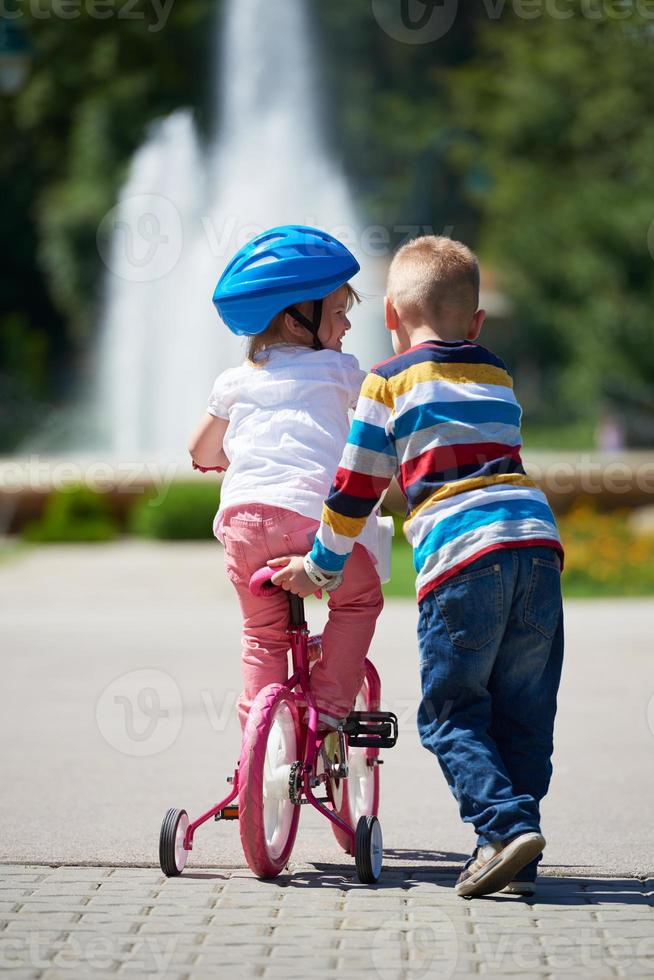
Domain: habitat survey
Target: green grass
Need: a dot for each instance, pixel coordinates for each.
(603, 559)
(604, 555)
(571, 436)
(11, 549)
(403, 575)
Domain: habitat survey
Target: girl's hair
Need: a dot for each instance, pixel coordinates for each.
(275, 332)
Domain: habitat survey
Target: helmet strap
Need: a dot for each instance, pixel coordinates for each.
(311, 325)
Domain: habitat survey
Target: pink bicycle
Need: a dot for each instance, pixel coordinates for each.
(284, 763)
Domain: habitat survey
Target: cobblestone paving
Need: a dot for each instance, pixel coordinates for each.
(102, 922)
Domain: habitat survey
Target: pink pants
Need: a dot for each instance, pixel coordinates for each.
(254, 533)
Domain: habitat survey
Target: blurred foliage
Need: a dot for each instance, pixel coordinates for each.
(96, 83)
(391, 114)
(532, 138)
(557, 111)
(566, 436)
(23, 356)
(99, 79)
(185, 512)
(182, 512)
(603, 556)
(75, 514)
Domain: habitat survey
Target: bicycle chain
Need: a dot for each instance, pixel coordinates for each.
(295, 784)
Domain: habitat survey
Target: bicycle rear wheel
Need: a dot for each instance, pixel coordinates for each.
(268, 820)
(358, 795)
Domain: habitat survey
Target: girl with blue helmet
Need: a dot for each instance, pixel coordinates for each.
(278, 424)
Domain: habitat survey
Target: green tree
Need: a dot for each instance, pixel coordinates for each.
(95, 86)
(390, 111)
(560, 116)
(68, 135)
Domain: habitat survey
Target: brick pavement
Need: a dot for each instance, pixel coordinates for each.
(101, 922)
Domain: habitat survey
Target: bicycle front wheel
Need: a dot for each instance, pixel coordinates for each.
(268, 819)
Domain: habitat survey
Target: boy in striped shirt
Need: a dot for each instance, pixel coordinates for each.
(442, 417)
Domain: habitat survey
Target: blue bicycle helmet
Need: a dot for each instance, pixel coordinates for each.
(276, 270)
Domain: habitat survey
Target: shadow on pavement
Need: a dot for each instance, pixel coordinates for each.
(577, 890)
(208, 875)
(407, 868)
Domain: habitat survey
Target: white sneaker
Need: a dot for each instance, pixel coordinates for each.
(495, 865)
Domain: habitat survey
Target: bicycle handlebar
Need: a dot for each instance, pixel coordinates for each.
(260, 583)
(208, 469)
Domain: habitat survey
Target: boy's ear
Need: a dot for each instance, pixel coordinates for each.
(475, 325)
(390, 315)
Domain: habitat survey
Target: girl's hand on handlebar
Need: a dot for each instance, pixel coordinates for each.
(208, 469)
(292, 576)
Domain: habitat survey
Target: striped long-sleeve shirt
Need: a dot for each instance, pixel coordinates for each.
(443, 418)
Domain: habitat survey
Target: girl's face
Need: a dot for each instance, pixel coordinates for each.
(334, 323)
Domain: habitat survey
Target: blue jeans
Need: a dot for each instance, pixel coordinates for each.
(491, 650)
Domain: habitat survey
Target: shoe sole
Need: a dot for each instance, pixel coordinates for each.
(524, 888)
(502, 869)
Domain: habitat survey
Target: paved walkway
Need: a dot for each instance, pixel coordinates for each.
(116, 922)
(120, 675)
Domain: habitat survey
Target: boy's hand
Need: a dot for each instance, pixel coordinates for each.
(292, 575)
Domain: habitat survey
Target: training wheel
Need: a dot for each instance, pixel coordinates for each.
(172, 853)
(368, 849)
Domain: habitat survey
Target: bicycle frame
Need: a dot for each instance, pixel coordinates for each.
(298, 635)
(299, 638)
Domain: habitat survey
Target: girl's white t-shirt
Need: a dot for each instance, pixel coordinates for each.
(288, 424)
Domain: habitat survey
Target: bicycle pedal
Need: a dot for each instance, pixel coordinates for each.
(371, 729)
(227, 813)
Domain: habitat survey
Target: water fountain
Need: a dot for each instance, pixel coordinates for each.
(182, 213)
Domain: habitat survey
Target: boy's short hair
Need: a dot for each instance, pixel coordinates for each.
(434, 277)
